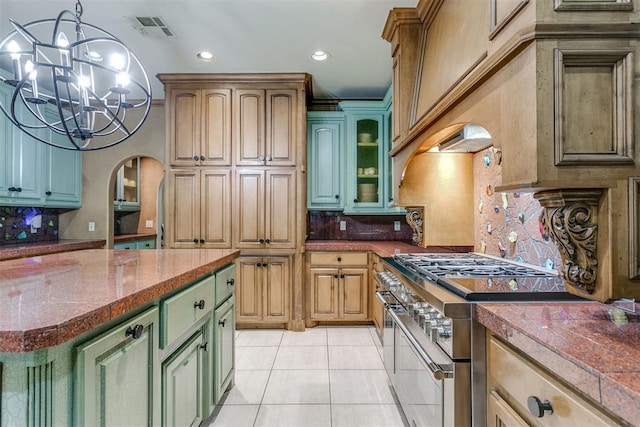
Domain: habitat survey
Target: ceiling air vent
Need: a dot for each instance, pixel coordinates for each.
(152, 26)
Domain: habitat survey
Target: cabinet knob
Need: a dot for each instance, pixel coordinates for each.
(261, 158)
(342, 276)
(538, 407)
(48, 193)
(267, 241)
(134, 332)
(205, 346)
(337, 196)
(268, 158)
(261, 241)
(199, 304)
(230, 282)
(195, 241)
(355, 200)
(222, 322)
(335, 276)
(201, 240)
(202, 158)
(339, 259)
(195, 158)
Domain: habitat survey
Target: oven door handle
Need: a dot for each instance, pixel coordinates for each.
(379, 295)
(436, 370)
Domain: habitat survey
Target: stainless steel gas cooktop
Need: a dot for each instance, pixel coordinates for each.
(480, 277)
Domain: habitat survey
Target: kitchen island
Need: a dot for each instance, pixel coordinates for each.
(54, 307)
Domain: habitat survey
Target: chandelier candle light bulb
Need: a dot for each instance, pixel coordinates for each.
(61, 83)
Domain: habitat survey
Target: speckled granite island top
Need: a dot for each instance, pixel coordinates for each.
(48, 300)
(595, 347)
(44, 248)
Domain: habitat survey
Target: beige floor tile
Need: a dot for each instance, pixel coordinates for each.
(259, 338)
(248, 388)
(294, 416)
(255, 358)
(302, 357)
(310, 336)
(349, 336)
(297, 387)
(360, 386)
(235, 416)
(386, 415)
(354, 357)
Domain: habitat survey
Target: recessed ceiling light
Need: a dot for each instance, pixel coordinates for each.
(320, 55)
(206, 56)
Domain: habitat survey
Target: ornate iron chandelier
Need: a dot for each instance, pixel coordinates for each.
(75, 86)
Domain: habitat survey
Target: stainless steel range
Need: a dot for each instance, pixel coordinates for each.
(428, 322)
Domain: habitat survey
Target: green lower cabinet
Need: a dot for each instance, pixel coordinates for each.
(224, 323)
(182, 384)
(118, 375)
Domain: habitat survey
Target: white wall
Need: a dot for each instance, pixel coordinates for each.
(98, 179)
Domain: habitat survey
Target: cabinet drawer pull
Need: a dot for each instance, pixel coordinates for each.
(337, 196)
(205, 346)
(230, 282)
(339, 259)
(199, 304)
(134, 332)
(538, 407)
(222, 322)
(48, 193)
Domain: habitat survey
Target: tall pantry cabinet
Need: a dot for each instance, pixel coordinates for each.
(235, 178)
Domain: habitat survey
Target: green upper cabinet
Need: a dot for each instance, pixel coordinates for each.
(126, 190)
(33, 173)
(348, 165)
(326, 160)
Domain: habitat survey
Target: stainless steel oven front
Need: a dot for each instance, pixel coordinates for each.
(433, 389)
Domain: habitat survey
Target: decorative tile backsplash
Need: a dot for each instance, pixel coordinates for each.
(507, 224)
(325, 225)
(28, 225)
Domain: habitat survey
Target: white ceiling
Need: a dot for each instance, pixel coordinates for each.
(246, 36)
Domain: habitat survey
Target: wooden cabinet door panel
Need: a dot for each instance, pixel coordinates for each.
(215, 208)
(249, 208)
(183, 208)
(249, 289)
(248, 113)
(276, 289)
(282, 127)
(280, 211)
(216, 127)
(182, 386)
(184, 127)
(500, 414)
(117, 376)
(323, 298)
(355, 295)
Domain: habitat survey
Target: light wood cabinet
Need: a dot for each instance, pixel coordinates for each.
(265, 211)
(117, 375)
(338, 286)
(513, 381)
(377, 310)
(200, 211)
(265, 123)
(264, 287)
(199, 128)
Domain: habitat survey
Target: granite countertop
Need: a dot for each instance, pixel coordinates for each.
(132, 237)
(383, 248)
(44, 248)
(48, 300)
(595, 347)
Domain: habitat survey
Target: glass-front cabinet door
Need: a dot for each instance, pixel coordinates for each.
(126, 191)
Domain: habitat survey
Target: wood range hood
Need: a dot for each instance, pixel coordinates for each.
(552, 83)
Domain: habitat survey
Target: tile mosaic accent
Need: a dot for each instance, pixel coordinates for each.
(507, 224)
(325, 225)
(28, 225)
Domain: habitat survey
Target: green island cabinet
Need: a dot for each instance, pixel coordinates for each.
(167, 364)
(141, 243)
(348, 165)
(33, 173)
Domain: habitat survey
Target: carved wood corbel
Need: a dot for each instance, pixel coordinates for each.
(570, 219)
(414, 219)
